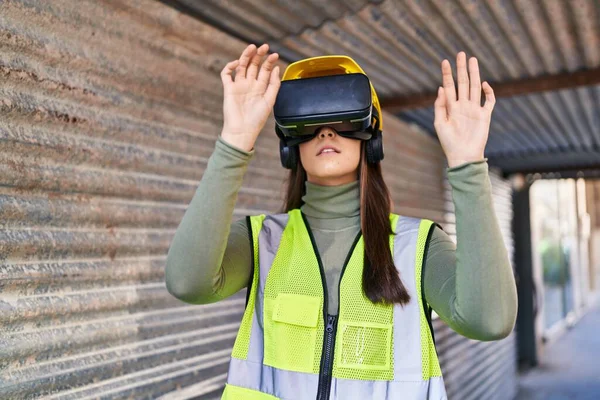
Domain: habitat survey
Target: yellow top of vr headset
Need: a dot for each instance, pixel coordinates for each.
(329, 65)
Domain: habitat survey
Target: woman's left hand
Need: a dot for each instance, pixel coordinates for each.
(462, 124)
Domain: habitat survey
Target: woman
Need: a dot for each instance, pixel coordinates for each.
(339, 204)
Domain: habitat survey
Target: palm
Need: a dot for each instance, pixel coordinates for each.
(462, 124)
(246, 100)
(249, 99)
(465, 133)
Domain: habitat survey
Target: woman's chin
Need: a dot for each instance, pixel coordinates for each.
(328, 170)
(330, 175)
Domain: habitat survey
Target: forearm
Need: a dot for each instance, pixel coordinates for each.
(471, 285)
(210, 257)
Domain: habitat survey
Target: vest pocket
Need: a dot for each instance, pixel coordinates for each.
(297, 309)
(233, 392)
(291, 332)
(364, 345)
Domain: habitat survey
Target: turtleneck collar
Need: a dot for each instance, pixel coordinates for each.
(332, 207)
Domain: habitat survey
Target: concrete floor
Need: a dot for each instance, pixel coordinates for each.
(570, 367)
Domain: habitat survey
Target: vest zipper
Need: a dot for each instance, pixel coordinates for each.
(326, 367)
(327, 363)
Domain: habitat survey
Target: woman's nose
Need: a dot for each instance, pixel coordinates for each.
(324, 132)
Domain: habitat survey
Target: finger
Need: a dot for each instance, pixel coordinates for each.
(255, 61)
(475, 81)
(247, 54)
(226, 72)
(448, 84)
(439, 108)
(490, 99)
(462, 76)
(273, 88)
(265, 70)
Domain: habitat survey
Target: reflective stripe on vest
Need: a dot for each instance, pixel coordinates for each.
(380, 351)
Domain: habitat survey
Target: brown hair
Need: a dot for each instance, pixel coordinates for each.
(381, 281)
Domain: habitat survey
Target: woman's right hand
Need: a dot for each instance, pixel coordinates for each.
(250, 96)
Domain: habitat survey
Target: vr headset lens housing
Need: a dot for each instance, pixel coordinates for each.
(342, 102)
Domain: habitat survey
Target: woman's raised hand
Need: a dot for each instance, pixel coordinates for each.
(249, 96)
(462, 124)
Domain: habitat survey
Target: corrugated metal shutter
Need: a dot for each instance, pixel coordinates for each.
(108, 113)
(412, 169)
(474, 369)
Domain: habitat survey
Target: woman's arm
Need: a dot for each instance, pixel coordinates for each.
(210, 257)
(471, 285)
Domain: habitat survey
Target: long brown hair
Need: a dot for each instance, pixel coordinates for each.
(381, 281)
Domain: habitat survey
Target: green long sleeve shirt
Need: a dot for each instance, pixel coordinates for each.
(470, 285)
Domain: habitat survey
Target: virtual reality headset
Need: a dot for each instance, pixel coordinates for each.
(342, 102)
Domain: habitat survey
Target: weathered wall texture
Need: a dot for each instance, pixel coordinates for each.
(109, 111)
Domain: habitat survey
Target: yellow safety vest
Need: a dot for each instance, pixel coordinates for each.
(289, 348)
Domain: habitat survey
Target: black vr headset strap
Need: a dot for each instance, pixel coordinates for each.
(376, 117)
(287, 154)
(375, 144)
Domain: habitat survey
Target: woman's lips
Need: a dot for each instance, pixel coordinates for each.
(327, 153)
(327, 147)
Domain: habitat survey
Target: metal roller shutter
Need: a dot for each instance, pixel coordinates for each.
(109, 111)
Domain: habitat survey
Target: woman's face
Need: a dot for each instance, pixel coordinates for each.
(330, 168)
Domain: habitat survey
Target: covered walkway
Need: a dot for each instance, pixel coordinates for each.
(570, 367)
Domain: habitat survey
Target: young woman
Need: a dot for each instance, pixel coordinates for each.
(322, 321)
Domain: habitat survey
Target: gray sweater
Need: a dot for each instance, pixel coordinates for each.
(470, 285)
